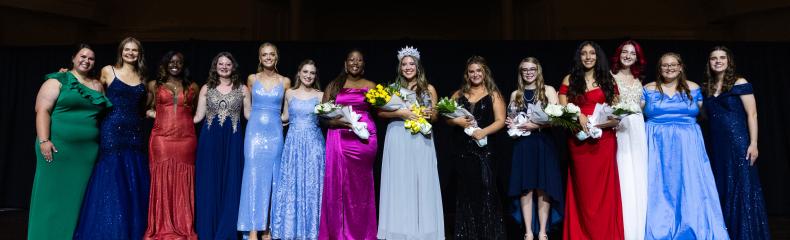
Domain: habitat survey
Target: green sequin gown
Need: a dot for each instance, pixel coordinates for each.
(58, 186)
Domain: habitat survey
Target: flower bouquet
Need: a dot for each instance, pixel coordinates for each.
(327, 109)
(385, 98)
(565, 117)
(421, 125)
(623, 109)
(451, 109)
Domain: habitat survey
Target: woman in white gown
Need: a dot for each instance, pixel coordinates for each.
(410, 206)
(628, 63)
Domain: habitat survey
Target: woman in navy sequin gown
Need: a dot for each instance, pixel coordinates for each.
(116, 202)
(218, 166)
(732, 114)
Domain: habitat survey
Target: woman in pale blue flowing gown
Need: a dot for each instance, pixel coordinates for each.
(410, 204)
(263, 142)
(296, 201)
(682, 199)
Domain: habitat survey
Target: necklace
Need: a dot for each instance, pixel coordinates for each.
(530, 100)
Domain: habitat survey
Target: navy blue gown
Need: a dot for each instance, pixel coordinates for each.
(116, 202)
(218, 166)
(738, 184)
(535, 166)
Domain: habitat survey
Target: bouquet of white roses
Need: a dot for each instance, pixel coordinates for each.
(623, 109)
(451, 109)
(565, 117)
(599, 116)
(327, 109)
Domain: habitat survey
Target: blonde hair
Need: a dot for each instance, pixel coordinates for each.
(276, 56)
(488, 80)
(540, 91)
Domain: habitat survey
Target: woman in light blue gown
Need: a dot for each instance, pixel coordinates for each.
(682, 198)
(263, 142)
(410, 203)
(296, 201)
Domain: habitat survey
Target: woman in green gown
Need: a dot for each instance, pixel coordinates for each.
(67, 144)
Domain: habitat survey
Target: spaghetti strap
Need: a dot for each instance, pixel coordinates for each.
(113, 71)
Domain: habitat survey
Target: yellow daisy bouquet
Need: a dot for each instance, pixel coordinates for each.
(421, 125)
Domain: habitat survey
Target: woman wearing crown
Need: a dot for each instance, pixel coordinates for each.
(410, 204)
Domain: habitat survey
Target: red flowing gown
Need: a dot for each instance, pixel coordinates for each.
(593, 209)
(172, 163)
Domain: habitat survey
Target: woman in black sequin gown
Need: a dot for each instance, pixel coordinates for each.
(478, 210)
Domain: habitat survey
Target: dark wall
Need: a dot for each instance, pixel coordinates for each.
(22, 70)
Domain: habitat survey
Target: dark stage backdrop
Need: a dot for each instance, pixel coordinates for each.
(764, 64)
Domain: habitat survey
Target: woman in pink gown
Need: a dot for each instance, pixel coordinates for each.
(348, 207)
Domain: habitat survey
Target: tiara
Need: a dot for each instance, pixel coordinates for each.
(408, 51)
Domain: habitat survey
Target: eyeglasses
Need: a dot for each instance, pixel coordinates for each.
(529, 70)
(668, 66)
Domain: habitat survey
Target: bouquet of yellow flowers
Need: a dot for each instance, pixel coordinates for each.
(420, 125)
(386, 98)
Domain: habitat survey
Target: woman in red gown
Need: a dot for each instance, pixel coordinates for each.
(172, 153)
(593, 209)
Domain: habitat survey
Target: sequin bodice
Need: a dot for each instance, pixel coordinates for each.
(223, 106)
(630, 92)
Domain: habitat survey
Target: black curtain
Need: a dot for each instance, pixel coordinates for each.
(762, 63)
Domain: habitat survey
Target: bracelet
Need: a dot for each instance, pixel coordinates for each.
(42, 141)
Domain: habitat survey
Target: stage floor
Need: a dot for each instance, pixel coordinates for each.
(13, 225)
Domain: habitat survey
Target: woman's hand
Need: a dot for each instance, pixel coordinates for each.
(610, 123)
(478, 134)
(427, 113)
(406, 114)
(751, 154)
(583, 121)
(47, 150)
(338, 123)
(529, 126)
(463, 122)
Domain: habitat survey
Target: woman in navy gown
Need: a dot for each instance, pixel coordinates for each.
(218, 165)
(732, 115)
(682, 199)
(116, 202)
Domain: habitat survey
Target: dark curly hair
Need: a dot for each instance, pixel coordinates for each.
(577, 85)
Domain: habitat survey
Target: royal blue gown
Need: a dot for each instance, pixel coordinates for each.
(739, 188)
(682, 199)
(116, 201)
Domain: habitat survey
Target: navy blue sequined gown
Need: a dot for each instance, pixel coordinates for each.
(738, 183)
(116, 202)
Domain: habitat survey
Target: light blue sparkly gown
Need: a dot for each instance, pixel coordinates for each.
(682, 199)
(263, 145)
(296, 202)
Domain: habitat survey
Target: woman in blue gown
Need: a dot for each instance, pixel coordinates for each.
(116, 201)
(732, 119)
(218, 164)
(296, 200)
(263, 142)
(682, 198)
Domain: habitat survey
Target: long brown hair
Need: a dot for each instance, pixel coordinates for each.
(488, 80)
(213, 76)
(421, 86)
(729, 74)
(334, 87)
(682, 85)
(316, 85)
(139, 65)
(540, 91)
